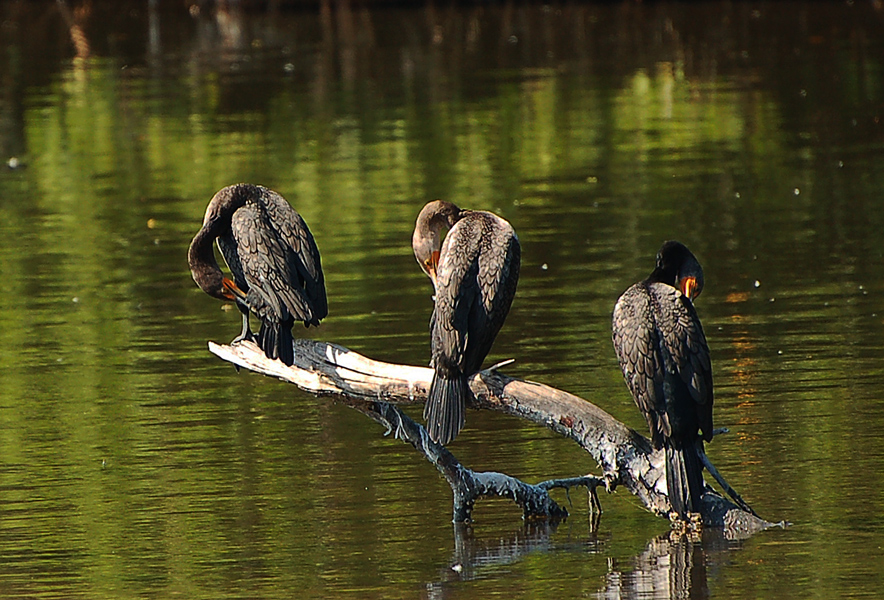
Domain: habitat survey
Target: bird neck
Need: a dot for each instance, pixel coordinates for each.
(662, 275)
(203, 264)
(428, 232)
(445, 219)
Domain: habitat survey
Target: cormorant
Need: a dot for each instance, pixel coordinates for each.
(474, 272)
(665, 361)
(274, 261)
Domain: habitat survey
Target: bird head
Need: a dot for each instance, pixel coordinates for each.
(427, 238)
(678, 267)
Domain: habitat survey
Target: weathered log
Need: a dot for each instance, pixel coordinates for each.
(626, 457)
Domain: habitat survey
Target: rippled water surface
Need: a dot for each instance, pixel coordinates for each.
(133, 463)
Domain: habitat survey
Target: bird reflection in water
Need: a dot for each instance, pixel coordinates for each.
(672, 565)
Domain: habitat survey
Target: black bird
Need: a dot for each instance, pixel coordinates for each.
(274, 261)
(665, 361)
(474, 272)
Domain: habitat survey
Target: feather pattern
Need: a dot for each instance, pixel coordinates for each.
(475, 283)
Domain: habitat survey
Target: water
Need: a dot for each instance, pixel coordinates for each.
(133, 463)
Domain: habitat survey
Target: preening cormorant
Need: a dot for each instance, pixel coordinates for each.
(474, 272)
(274, 261)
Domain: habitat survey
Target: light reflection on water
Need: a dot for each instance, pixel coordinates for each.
(136, 463)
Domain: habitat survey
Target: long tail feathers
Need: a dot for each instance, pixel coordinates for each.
(444, 410)
(275, 339)
(684, 478)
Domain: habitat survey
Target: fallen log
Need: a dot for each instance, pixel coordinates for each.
(626, 457)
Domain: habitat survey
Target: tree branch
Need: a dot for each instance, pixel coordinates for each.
(468, 486)
(625, 456)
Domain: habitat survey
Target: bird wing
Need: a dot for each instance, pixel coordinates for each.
(657, 332)
(476, 281)
(636, 342)
(686, 350)
(457, 292)
(498, 276)
(264, 261)
(300, 253)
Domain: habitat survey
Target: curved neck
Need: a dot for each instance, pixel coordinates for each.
(663, 275)
(433, 224)
(427, 239)
(203, 264)
(201, 254)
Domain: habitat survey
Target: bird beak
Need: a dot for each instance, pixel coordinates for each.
(231, 292)
(689, 287)
(434, 263)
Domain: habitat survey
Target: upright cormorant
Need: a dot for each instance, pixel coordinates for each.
(274, 260)
(665, 361)
(474, 273)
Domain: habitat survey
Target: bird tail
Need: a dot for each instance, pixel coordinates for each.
(684, 477)
(276, 341)
(444, 410)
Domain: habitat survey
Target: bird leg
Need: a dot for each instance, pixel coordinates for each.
(612, 478)
(246, 334)
(690, 525)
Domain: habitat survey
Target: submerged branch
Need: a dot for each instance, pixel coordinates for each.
(625, 456)
(468, 486)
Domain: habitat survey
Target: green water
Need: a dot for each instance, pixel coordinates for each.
(133, 463)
